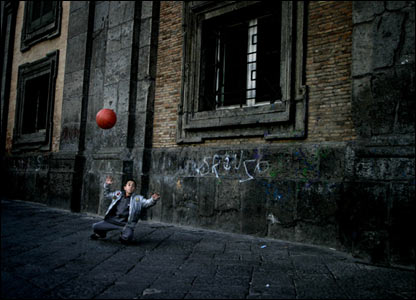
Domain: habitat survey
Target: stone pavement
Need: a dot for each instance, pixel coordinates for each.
(46, 253)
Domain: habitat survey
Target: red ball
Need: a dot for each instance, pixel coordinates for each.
(106, 118)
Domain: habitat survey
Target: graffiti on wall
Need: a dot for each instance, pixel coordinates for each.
(306, 173)
(227, 164)
(261, 167)
(29, 164)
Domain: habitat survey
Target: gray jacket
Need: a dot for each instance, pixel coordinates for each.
(137, 203)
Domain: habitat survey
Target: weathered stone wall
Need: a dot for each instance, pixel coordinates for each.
(118, 73)
(250, 185)
(107, 41)
(25, 175)
(380, 201)
(281, 191)
(360, 76)
(383, 69)
(347, 195)
(66, 165)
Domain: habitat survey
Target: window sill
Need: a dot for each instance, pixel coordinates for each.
(47, 32)
(278, 112)
(31, 141)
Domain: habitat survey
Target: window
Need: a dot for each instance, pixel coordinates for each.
(35, 104)
(243, 70)
(35, 99)
(238, 56)
(41, 21)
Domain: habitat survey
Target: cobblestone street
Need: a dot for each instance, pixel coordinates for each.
(46, 253)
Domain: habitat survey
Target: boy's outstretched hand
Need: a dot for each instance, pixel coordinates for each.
(156, 196)
(109, 180)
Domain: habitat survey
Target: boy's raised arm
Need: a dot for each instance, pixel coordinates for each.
(152, 200)
(107, 186)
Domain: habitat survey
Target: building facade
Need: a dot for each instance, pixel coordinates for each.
(290, 120)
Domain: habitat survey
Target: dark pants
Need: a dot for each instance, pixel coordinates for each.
(101, 228)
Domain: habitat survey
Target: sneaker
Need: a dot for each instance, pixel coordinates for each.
(95, 236)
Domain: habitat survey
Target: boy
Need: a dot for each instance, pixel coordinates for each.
(123, 212)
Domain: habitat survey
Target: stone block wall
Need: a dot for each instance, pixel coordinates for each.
(379, 200)
(220, 191)
(280, 191)
(26, 174)
(347, 183)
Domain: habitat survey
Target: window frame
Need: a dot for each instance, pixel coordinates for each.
(272, 121)
(41, 140)
(230, 58)
(48, 30)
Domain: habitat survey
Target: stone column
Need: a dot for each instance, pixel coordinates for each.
(8, 23)
(378, 201)
(110, 64)
(67, 165)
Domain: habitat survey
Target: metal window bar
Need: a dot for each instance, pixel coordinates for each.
(219, 72)
(251, 70)
(251, 63)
